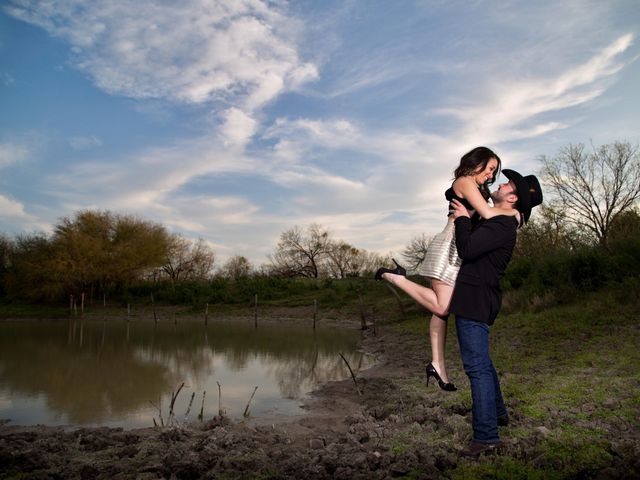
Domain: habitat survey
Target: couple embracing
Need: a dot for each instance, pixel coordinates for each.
(464, 264)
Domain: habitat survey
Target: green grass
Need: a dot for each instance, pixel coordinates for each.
(570, 377)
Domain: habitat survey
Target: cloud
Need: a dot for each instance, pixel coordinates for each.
(11, 208)
(510, 108)
(194, 51)
(13, 153)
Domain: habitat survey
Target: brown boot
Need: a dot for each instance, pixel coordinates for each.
(475, 449)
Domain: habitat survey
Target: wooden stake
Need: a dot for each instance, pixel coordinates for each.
(201, 415)
(315, 313)
(153, 307)
(246, 410)
(363, 317)
(352, 374)
(395, 293)
(220, 412)
(206, 316)
(82, 305)
(255, 314)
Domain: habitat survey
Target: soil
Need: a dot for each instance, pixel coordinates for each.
(377, 433)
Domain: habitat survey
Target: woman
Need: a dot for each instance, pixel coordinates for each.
(478, 169)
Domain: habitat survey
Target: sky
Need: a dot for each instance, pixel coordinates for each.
(236, 120)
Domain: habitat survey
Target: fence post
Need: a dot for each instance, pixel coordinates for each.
(255, 313)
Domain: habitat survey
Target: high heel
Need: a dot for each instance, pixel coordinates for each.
(432, 372)
(396, 271)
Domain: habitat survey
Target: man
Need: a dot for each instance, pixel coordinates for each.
(485, 251)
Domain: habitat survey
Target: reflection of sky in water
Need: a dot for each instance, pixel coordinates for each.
(112, 374)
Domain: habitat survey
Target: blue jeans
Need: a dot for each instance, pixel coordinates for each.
(488, 405)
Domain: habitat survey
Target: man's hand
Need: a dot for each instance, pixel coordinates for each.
(459, 210)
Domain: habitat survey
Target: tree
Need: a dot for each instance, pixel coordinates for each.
(103, 249)
(300, 253)
(236, 267)
(343, 260)
(187, 260)
(548, 231)
(594, 188)
(414, 253)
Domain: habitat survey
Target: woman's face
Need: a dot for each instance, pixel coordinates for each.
(482, 175)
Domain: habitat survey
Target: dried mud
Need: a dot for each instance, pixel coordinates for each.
(393, 429)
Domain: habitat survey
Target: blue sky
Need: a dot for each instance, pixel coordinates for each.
(235, 120)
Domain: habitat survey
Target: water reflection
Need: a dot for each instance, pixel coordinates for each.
(108, 373)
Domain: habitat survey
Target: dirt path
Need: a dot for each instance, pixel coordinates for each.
(396, 428)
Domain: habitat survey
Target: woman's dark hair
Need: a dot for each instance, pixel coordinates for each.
(478, 158)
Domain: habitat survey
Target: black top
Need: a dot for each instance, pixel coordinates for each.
(485, 252)
(451, 195)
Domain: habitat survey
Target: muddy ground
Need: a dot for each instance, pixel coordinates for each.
(395, 428)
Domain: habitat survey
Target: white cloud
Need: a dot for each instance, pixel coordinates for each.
(11, 208)
(13, 153)
(192, 51)
(237, 128)
(510, 108)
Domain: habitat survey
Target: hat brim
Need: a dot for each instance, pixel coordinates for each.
(522, 188)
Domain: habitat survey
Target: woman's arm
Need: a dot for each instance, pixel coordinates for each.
(466, 188)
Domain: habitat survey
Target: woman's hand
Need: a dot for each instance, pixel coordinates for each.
(459, 210)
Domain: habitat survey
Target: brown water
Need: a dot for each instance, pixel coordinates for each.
(115, 373)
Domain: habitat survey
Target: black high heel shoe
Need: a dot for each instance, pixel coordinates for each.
(432, 372)
(396, 271)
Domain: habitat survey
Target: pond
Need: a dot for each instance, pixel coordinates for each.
(119, 373)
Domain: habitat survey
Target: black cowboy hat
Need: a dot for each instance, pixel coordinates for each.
(528, 191)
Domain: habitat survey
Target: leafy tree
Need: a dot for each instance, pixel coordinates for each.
(594, 188)
(343, 260)
(30, 273)
(236, 268)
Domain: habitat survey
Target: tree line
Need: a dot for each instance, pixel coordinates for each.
(588, 222)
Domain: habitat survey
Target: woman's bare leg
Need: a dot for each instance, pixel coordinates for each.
(438, 329)
(435, 300)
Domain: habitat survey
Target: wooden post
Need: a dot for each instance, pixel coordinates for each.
(395, 294)
(315, 313)
(82, 305)
(206, 315)
(104, 300)
(75, 308)
(255, 313)
(71, 304)
(153, 307)
(128, 311)
(363, 317)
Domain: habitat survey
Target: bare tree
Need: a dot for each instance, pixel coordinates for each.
(594, 188)
(300, 253)
(187, 260)
(414, 253)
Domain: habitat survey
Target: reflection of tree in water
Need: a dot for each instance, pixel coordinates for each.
(95, 371)
(88, 384)
(307, 371)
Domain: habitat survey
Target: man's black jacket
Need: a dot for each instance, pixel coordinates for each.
(485, 251)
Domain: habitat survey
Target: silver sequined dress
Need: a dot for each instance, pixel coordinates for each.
(441, 260)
